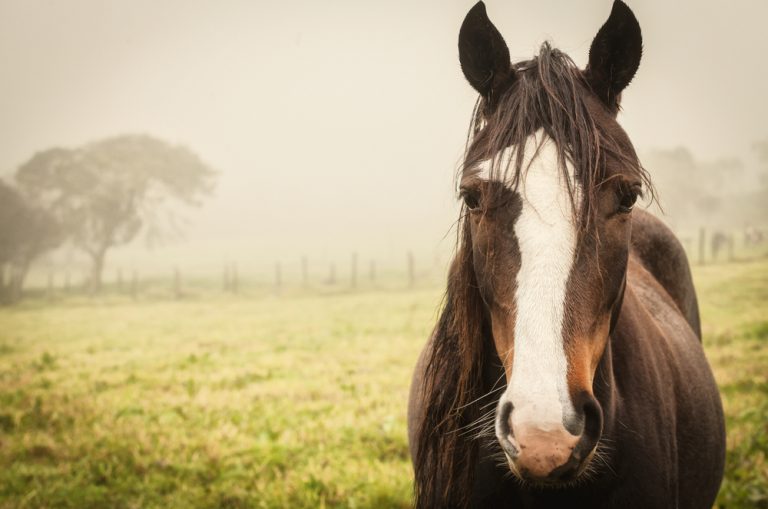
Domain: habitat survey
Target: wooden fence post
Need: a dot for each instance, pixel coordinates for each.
(176, 284)
(235, 280)
(731, 256)
(278, 277)
(49, 287)
(411, 276)
(225, 279)
(134, 285)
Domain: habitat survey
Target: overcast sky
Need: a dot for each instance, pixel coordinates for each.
(337, 126)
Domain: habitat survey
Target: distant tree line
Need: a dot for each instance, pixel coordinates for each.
(95, 197)
(720, 193)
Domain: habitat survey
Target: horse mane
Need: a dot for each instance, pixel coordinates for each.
(453, 390)
(549, 92)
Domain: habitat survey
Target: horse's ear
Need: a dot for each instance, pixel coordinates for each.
(483, 54)
(615, 55)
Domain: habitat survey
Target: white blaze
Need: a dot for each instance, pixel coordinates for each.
(546, 236)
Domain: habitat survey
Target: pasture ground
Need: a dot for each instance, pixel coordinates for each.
(217, 401)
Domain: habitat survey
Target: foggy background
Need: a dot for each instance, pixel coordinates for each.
(336, 127)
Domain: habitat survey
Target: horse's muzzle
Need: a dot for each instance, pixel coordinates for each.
(547, 453)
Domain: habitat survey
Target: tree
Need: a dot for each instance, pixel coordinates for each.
(691, 191)
(761, 147)
(26, 232)
(104, 193)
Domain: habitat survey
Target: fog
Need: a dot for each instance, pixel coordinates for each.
(336, 127)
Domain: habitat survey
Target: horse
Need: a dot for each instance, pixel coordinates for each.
(718, 242)
(566, 368)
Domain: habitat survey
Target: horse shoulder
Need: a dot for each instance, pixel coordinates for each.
(660, 252)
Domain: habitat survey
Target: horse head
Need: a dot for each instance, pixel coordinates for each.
(548, 183)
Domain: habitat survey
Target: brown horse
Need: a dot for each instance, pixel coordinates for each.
(566, 369)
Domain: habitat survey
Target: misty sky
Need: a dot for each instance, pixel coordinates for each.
(337, 126)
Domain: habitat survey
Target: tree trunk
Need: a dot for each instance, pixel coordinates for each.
(16, 286)
(96, 270)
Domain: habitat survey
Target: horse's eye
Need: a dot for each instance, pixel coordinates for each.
(471, 198)
(627, 199)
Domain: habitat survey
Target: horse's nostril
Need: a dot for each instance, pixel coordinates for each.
(504, 430)
(505, 425)
(509, 447)
(593, 418)
(593, 429)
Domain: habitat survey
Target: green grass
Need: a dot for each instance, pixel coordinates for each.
(734, 309)
(290, 402)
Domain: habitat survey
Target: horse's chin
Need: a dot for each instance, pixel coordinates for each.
(582, 474)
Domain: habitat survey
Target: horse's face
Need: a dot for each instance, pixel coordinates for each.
(551, 289)
(550, 254)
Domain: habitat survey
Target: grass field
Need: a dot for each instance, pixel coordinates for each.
(278, 402)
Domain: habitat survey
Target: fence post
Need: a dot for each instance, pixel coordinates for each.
(731, 257)
(176, 284)
(411, 277)
(134, 285)
(278, 278)
(17, 286)
(49, 288)
(235, 280)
